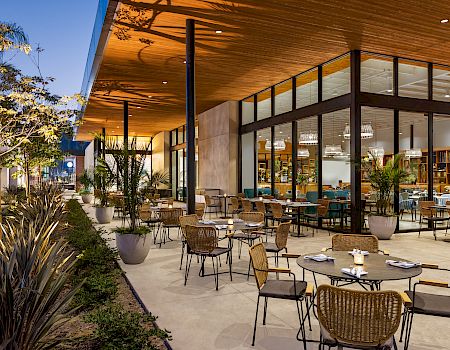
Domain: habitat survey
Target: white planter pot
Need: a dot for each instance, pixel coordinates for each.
(382, 226)
(87, 198)
(104, 215)
(133, 249)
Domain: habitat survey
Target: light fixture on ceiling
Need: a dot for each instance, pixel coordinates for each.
(281, 132)
(278, 145)
(444, 20)
(447, 93)
(164, 82)
(218, 31)
(376, 152)
(130, 115)
(303, 153)
(400, 133)
(117, 126)
(366, 131)
(149, 96)
(333, 150)
(184, 62)
(138, 107)
(308, 138)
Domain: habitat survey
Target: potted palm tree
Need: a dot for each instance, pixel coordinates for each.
(103, 179)
(87, 181)
(133, 241)
(383, 179)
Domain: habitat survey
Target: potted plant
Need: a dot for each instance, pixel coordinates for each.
(104, 179)
(86, 180)
(133, 241)
(383, 179)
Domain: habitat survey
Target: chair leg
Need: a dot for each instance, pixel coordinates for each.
(182, 253)
(265, 311)
(404, 316)
(408, 331)
(287, 259)
(302, 325)
(188, 266)
(256, 320)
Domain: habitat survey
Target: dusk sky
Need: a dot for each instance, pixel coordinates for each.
(63, 29)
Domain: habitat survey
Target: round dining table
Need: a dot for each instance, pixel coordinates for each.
(374, 264)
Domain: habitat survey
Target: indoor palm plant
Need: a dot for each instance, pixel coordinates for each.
(133, 241)
(86, 180)
(383, 180)
(104, 177)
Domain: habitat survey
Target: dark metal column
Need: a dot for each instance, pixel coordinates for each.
(151, 159)
(396, 140)
(256, 147)
(125, 147)
(355, 140)
(430, 135)
(190, 114)
(272, 160)
(294, 138)
(319, 135)
(239, 172)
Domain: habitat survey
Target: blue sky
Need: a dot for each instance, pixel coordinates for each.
(63, 29)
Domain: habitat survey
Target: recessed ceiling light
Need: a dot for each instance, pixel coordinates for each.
(339, 135)
(113, 131)
(149, 96)
(444, 20)
(218, 31)
(447, 95)
(184, 62)
(138, 107)
(389, 90)
(130, 115)
(164, 82)
(281, 132)
(400, 133)
(342, 141)
(117, 126)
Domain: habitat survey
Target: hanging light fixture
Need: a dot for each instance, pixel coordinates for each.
(278, 145)
(308, 138)
(413, 153)
(366, 131)
(303, 153)
(333, 150)
(376, 152)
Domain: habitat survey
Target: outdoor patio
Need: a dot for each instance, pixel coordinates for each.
(202, 318)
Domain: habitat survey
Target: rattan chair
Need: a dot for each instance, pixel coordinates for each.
(278, 214)
(358, 319)
(251, 234)
(234, 206)
(211, 205)
(429, 215)
(347, 242)
(281, 237)
(200, 210)
(300, 291)
(247, 206)
(261, 207)
(203, 242)
(149, 217)
(184, 221)
(170, 218)
(418, 302)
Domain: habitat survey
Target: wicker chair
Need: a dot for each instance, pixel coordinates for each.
(277, 213)
(300, 291)
(184, 221)
(417, 302)
(281, 237)
(234, 206)
(358, 319)
(200, 210)
(149, 217)
(170, 218)
(347, 242)
(247, 206)
(429, 215)
(213, 206)
(203, 242)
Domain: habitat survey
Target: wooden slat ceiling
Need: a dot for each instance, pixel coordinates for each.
(262, 42)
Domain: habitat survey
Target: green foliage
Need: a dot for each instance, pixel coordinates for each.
(118, 329)
(34, 274)
(155, 179)
(104, 178)
(87, 180)
(140, 230)
(96, 263)
(383, 180)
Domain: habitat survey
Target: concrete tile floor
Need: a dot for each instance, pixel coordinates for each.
(202, 318)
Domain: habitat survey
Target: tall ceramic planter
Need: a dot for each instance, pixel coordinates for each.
(104, 215)
(87, 198)
(382, 226)
(133, 249)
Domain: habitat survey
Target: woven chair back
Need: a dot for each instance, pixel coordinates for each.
(234, 204)
(240, 195)
(157, 196)
(144, 214)
(185, 220)
(358, 318)
(260, 206)
(347, 242)
(425, 210)
(282, 234)
(251, 216)
(268, 196)
(201, 239)
(246, 205)
(200, 210)
(208, 200)
(169, 201)
(324, 205)
(170, 216)
(260, 266)
(277, 210)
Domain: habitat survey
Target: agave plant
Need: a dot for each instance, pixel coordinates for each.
(34, 300)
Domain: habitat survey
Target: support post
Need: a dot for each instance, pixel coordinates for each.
(103, 143)
(190, 114)
(396, 141)
(355, 140)
(125, 147)
(272, 161)
(294, 138)
(430, 135)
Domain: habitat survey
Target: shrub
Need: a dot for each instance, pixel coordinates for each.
(118, 329)
(97, 289)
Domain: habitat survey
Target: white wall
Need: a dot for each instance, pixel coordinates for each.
(89, 156)
(161, 152)
(335, 170)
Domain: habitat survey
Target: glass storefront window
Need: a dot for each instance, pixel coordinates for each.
(180, 135)
(248, 164)
(173, 136)
(307, 156)
(441, 83)
(377, 74)
(248, 110)
(306, 88)
(283, 97)
(412, 79)
(283, 161)
(336, 77)
(264, 106)
(264, 164)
